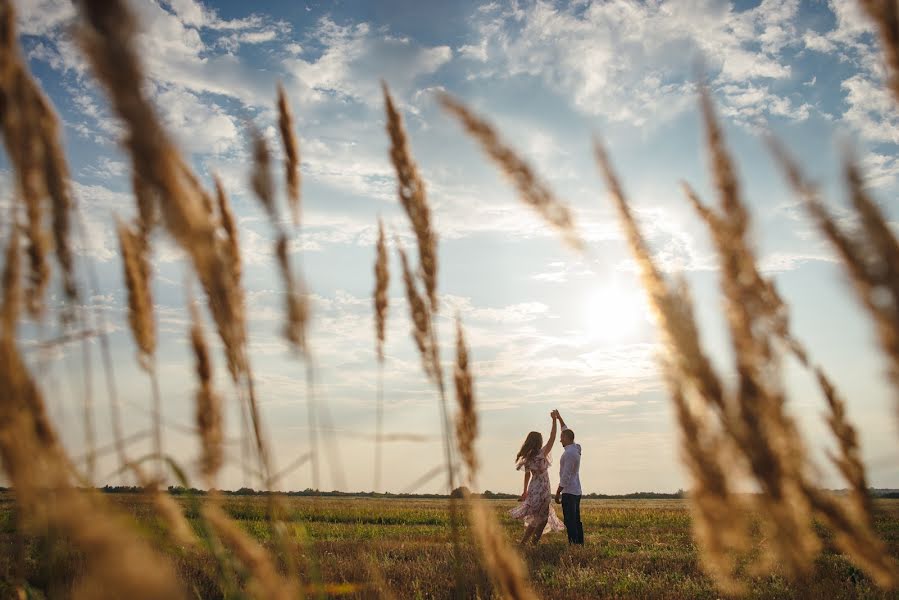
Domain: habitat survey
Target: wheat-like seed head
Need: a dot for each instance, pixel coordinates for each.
(117, 563)
(719, 524)
(296, 299)
(531, 190)
(261, 175)
(418, 314)
(467, 418)
(503, 563)
(59, 189)
(382, 282)
(291, 153)
(106, 35)
(885, 15)
(266, 581)
(209, 404)
(31, 133)
(12, 285)
(140, 299)
(411, 191)
(176, 523)
(147, 206)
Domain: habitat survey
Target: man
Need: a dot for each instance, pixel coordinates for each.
(569, 492)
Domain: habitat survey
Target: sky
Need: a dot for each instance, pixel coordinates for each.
(548, 327)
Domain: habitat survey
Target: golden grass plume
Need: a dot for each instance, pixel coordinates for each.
(265, 581)
(106, 34)
(208, 408)
(411, 191)
(382, 282)
(467, 418)
(12, 285)
(531, 189)
(885, 14)
(140, 299)
(291, 154)
(696, 391)
(421, 321)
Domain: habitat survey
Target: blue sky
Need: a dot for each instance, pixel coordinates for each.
(548, 328)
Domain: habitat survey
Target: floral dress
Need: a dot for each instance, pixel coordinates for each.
(538, 505)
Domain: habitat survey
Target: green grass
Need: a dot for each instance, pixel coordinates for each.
(635, 549)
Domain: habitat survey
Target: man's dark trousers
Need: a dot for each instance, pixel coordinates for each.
(571, 514)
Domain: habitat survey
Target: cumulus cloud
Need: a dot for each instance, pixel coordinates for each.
(356, 57)
(632, 62)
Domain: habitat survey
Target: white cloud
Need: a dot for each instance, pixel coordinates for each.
(871, 109)
(356, 58)
(879, 170)
(632, 62)
(202, 127)
(106, 168)
(39, 17)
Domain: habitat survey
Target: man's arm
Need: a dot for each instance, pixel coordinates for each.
(561, 420)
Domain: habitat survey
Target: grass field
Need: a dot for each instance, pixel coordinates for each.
(402, 548)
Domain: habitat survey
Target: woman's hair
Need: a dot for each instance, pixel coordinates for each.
(530, 447)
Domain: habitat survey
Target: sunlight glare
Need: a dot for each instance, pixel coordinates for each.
(614, 313)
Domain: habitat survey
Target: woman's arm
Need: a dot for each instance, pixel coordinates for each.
(527, 478)
(552, 437)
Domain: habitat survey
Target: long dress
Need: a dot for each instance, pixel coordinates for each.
(538, 505)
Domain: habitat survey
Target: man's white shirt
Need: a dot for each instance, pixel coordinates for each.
(569, 467)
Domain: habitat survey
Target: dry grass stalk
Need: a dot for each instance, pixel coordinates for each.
(765, 434)
(261, 175)
(106, 34)
(849, 460)
(140, 299)
(503, 563)
(291, 154)
(296, 299)
(532, 191)
(381, 304)
(467, 418)
(23, 135)
(721, 531)
(860, 543)
(853, 527)
(147, 207)
(229, 225)
(885, 15)
(12, 285)
(421, 321)
(382, 282)
(59, 189)
(118, 564)
(869, 255)
(209, 404)
(718, 517)
(265, 580)
(411, 190)
(176, 523)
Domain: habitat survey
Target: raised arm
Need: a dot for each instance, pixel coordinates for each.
(552, 436)
(561, 420)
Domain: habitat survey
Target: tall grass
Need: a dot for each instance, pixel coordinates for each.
(730, 434)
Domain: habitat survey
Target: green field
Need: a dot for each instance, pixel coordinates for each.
(402, 548)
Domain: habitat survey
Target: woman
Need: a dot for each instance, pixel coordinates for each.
(536, 509)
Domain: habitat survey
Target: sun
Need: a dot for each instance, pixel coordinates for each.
(614, 312)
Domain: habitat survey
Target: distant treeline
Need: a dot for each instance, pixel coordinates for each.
(177, 490)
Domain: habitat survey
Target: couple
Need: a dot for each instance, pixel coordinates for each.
(536, 510)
